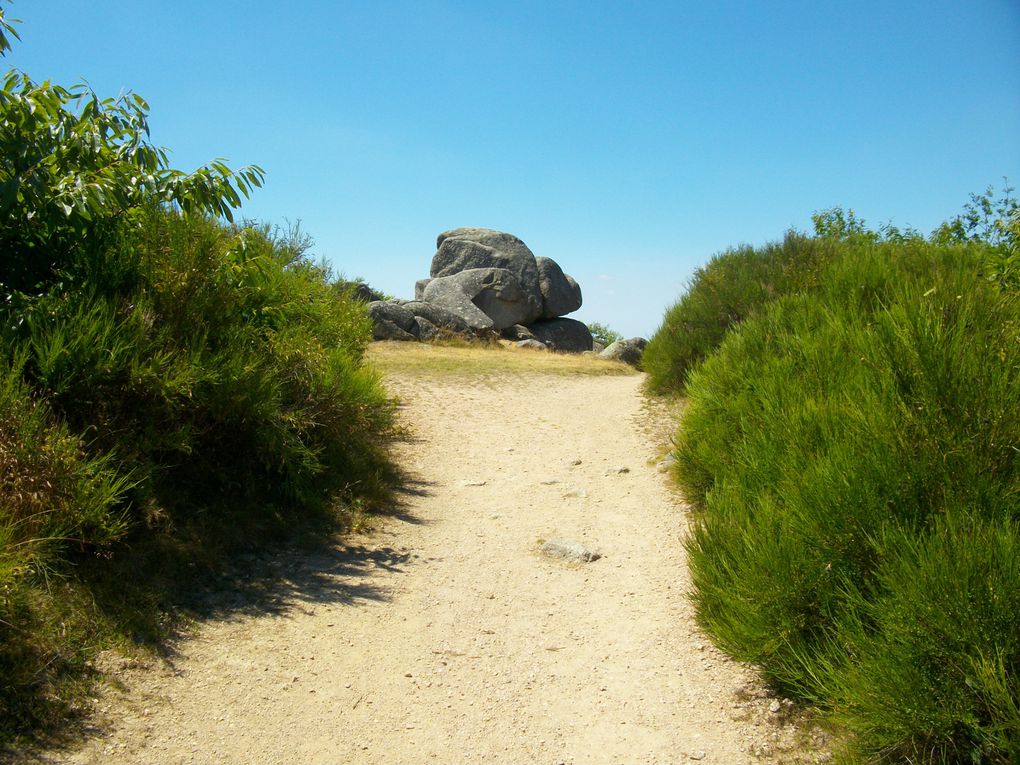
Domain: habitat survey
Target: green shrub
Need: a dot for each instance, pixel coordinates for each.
(167, 378)
(53, 496)
(837, 444)
(733, 286)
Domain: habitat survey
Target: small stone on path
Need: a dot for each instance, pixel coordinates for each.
(569, 551)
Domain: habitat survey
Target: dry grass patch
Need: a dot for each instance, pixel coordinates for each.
(392, 357)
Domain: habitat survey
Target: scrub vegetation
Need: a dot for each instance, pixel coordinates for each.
(174, 387)
(851, 447)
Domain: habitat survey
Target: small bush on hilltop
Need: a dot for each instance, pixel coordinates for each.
(172, 386)
(854, 452)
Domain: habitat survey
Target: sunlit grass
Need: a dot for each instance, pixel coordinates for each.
(392, 357)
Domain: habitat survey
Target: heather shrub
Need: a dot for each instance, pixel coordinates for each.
(852, 452)
(731, 287)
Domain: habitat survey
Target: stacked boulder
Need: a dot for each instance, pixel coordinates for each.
(488, 281)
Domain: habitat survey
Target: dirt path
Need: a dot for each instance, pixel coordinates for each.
(445, 636)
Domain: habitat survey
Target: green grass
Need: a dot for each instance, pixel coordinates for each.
(463, 359)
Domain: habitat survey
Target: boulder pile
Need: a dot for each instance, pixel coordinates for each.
(487, 281)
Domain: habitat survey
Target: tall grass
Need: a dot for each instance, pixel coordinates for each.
(854, 452)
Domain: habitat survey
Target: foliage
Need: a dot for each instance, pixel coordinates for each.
(7, 31)
(852, 451)
(73, 164)
(731, 287)
(603, 334)
(995, 222)
(172, 386)
(739, 282)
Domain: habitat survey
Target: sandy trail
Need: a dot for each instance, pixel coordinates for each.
(445, 636)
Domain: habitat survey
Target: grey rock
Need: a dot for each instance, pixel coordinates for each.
(425, 330)
(572, 551)
(666, 463)
(393, 312)
(627, 351)
(597, 347)
(419, 288)
(485, 298)
(533, 344)
(468, 248)
(560, 293)
(517, 332)
(438, 315)
(391, 321)
(563, 335)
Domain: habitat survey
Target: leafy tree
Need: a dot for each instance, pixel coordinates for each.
(602, 334)
(992, 221)
(72, 163)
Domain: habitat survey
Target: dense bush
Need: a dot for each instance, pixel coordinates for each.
(853, 452)
(731, 287)
(172, 385)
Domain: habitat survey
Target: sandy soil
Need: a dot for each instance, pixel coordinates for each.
(446, 636)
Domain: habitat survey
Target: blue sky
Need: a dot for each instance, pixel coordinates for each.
(629, 141)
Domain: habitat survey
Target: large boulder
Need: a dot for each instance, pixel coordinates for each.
(563, 334)
(391, 321)
(517, 332)
(464, 249)
(436, 314)
(425, 330)
(419, 288)
(560, 293)
(627, 351)
(485, 298)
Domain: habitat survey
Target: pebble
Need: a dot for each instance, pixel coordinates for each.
(619, 470)
(472, 483)
(569, 550)
(774, 707)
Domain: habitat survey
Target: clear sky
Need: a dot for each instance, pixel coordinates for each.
(629, 141)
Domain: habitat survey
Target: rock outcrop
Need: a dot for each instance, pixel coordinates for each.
(563, 334)
(560, 293)
(627, 351)
(485, 298)
(466, 249)
(483, 280)
(391, 321)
